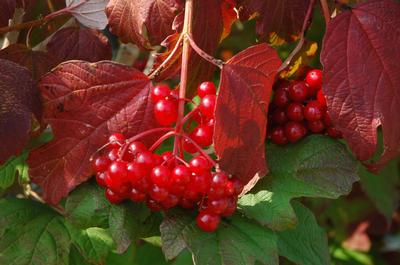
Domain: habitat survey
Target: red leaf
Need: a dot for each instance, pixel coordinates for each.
(76, 43)
(38, 62)
(283, 17)
(19, 98)
(84, 103)
(143, 22)
(241, 111)
(7, 11)
(362, 77)
(229, 16)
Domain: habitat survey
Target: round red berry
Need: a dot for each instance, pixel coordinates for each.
(279, 116)
(136, 147)
(101, 179)
(238, 185)
(201, 182)
(159, 92)
(321, 98)
(180, 175)
(145, 159)
(113, 154)
(116, 140)
(219, 180)
(160, 176)
(113, 197)
(169, 202)
(281, 98)
(166, 112)
(278, 136)
(294, 131)
(206, 88)
(217, 206)
(315, 126)
(298, 91)
(187, 204)
(158, 193)
(207, 106)
(153, 205)
(101, 163)
(189, 147)
(202, 135)
(313, 111)
(135, 173)
(231, 208)
(314, 80)
(208, 222)
(199, 165)
(137, 195)
(294, 111)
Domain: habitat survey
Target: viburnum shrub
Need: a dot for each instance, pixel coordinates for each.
(192, 128)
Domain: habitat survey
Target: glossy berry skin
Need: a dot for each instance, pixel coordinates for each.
(167, 155)
(238, 185)
(136, 172)
(219, 180)
(116, 140)
(294, 111)
(281, 98)
(316, 126)
(199, 165)
(113, 197)
(278, 136)
(279, 116)
(136, 147)
(314, 80)
(208, 222)
(180, 175)
(169, 202)
(160, 176)
(101, 163)
(101, 179)
(313, 111)
(189, 146)
(113, 154)
(137, 195)
(187, 204)
(321, 99)
(158, 193)
(153, 205)
(202, 135)
(159, 92)
(118, 169)
(200, 183)
(145, 159)
(298, 91)
(294, 131)
(207, 106)
(217, 206)
(166, 112)
(231, 208)
(206, 88)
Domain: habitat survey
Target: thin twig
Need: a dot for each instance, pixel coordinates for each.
(299, 45)
(325, 11)
(203, 54)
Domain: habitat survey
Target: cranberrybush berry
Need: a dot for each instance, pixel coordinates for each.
(202, 135)
(279, 116)
(294, 111)
(313, 111)
(281, 98)
(166, 112)
(207, 221)
(206, 88)
(298, 91)
(159, 92)
(314, 81)
(207, 106)
(116, 140)
(294, 131)
(278, 136)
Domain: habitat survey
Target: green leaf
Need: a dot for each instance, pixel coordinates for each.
(75, 257)
(238, 241)
(16, 165)
(383, 189)
(128, 222)
(94, 244)
(31, 233)
(87, 207)
(307, 244)
(317, 166)
(126, 258)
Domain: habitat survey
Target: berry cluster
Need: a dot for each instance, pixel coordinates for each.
(130, 170)
(299, 108)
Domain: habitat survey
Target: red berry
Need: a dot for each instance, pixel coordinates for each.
(189, 146)
(294, 131)
(118, 169)
(314, 80)
(144, 184)
(281, 98)
(217, 206)
(279, 116)
(137, 195)
(202, 135)
(157, 159)
(207, 106)
(153, 205)
(278, 136)
(169, 202)
(201, 183)
(174, 95)
(160, 176)
(113, 154)
(208, 222)
(190, 193)
(167, 155)
(231, 208)
(116, 179)
(187, 204)
(180, 175)
(333, 132)
(199, 165)
(116, 140)
(229, 189)
(298, 91)
(136, 147)
(206, 88)
(159, 92)
(166, 112)
(101, 179)
(313, 111)
(238, 185)
(219, 180)
(101, 164)
(294, 111)
(216, 193)
(321, 98)
(315, 126)
(135, 173)
(158, 193)
(113, 197)
(145, 159)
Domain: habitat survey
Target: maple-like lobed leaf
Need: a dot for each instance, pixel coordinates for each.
(19, 103)
(38, 62)
(362, 77)
(77, 43)
(90, 13)
(7, 11)
(84, 103)
(143, 22)
(284, 18)
(241, 111)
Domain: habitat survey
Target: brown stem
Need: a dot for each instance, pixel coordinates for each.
(325, 11)
(50, 5)
(299, 45)
(29, 24)
(187, 29)
(203, 54)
